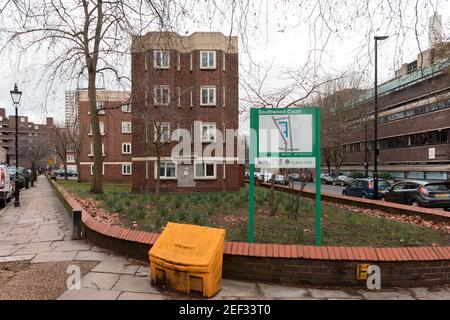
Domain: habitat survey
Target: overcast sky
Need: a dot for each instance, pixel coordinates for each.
(276, 35)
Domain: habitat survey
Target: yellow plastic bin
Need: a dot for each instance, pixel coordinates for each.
(188, 258)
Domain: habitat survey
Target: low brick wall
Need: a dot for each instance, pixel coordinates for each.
(290, 264)
(389, 207)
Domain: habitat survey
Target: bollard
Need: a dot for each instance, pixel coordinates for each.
(76, 220)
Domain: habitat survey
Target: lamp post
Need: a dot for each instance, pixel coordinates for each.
(16, 95)
(366, 151)
(375, 160)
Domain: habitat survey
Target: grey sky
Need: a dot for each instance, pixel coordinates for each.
(276, 34)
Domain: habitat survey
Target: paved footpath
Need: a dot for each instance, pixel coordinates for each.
(40, 230)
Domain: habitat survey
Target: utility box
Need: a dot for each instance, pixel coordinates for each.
(188, 258)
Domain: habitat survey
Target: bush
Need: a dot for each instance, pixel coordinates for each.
(358, 175)
(386, 175)
(197, 218)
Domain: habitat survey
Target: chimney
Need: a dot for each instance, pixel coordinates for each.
(434, 30)
(49, 122)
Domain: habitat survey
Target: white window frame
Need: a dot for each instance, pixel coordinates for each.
(36, 127)
(223, 97)
(123, 147)
(164, 163)
(70, 158)
(179, 97)
(178, 61)
(157, 95)
(197, 177)
(91, 150)
(192, 99)
(126, 122)
(208, 104)
(158, 64)
(145, 62)
(100, 104)
(101, 125)
(191, 62)
(209, 125)
(155, 132)
(126, 108)
(224, 58)
(209, 66)
(125, 165)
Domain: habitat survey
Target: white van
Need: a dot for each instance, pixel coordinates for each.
(5, 186)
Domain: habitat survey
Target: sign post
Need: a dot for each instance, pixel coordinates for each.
(284, 138)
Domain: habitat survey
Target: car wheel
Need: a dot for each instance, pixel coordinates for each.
(447, 209)
(344, 193)
(363, 196)
(415, 203)
(383, 199)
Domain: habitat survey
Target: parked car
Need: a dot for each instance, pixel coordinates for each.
(326, 178)
(280, 179)
(430, 194)
(19, 180)
(294, 177)
(5, 186)
(364, 188)
(342, 181)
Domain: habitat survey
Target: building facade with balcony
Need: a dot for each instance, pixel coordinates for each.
(34, 140)
(115, 128)
(189, 83)
(413, 123)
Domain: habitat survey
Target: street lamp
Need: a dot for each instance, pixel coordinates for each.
(375, 160)
(16, 95)
(366, 150)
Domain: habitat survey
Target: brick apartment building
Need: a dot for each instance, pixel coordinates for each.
(177, 80)
(414, 123)
(115, 128)
(34, 138)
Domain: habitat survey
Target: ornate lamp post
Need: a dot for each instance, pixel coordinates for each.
(375, 161)
(16, 95)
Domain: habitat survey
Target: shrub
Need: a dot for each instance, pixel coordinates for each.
(386, 175)
(358, 175)
(178, 201)
(118, 207)
(198, 218)
(140, 214)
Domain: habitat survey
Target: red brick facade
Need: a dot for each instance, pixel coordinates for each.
(115, 113)
(184, 79)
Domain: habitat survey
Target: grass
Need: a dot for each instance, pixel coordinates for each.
(230, 210)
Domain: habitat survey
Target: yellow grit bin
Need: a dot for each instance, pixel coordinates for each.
(188, 258)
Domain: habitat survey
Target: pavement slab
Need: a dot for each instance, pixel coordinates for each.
(386, 295)
(89, 294)
(116, 265)
(17, 258)
(98, 280)
(331, 294)
(140, 296)
(431, 293)
(90, 256)
(276, 291)
(233, 288)
(54, 256)
(71, 245)
(134, 284)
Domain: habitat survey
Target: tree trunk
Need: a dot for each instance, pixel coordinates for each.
(78, 171)
(65, 170)
(97, 178)
(158, 178)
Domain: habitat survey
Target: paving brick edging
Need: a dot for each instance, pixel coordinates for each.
(389, 207)
(290, 264)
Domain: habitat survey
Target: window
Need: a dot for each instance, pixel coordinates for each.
(207, 59)
(190, 62)
(126, 148)
(70, 158)
(223, 97)
(100, 107)
(205, 170)
(161, 95)
(192, 99)
(161, 59)
(178, 61)
(179, 97)
(102, 127)
(36, 127)
(126, 108)
(399, 186)
(163, 135)
(126, 127)
(145, 62)
(208, 132)
(223, 61)
(91, 150)
(22, 119)
(126, 169)
(167, 170)
(146, 98)
(208, 96)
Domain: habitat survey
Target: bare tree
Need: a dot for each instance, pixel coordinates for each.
(76, 135)
(62, 144)
(37, 151)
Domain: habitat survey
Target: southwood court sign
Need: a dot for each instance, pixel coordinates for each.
(284, 138)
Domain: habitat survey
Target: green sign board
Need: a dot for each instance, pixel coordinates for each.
(284, 138)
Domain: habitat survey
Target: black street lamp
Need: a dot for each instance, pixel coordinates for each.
(366, 150)
(375, 167)
(16, 95)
